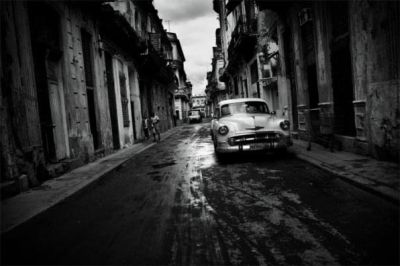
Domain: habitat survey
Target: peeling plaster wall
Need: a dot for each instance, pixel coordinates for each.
(375, 42)
(323, 62)
(80, 137)
(160, 103)
(135, 98)
(23, 152)
(283, 81)
(299, 68)
(20, 144)
(125, 133)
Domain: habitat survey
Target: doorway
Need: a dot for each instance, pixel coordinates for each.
(342, 82)
(111, 101)
(133, 92)
(289, 62)
(89, 80)
(47, 57)
(308, 47)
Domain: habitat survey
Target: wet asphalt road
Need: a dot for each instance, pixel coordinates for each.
(175, 204)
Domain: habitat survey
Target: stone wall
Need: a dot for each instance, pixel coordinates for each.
(375, 42)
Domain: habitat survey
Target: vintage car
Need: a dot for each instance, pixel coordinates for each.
(247, 124)
(194, 116)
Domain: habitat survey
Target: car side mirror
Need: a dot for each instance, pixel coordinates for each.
(273, 113)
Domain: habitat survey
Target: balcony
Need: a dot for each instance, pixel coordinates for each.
(278, 6)
(183, 93)
(175, 64)
(154, 64)
(244, 39)
(231, 4)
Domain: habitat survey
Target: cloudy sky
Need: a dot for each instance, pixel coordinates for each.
(194, 21)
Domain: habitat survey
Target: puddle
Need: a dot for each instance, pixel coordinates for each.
(162, 165)
(153, 173)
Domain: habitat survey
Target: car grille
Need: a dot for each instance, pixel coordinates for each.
(254, 138)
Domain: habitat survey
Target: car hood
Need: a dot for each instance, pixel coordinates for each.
(242, 123)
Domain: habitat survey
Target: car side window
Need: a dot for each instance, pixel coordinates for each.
(225, 110)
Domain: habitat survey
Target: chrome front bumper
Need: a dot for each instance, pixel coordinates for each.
(247, 144)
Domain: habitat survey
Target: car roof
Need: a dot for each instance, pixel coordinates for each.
(239, 100)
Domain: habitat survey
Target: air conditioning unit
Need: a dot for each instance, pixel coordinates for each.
(305, 15)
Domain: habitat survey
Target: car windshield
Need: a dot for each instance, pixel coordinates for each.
(244, 107)
(194, 113)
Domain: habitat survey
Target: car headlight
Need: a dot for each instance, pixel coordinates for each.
(285, 125)
(223, 130)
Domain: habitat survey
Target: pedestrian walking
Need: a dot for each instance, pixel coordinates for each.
(155, 121)
(145, 125)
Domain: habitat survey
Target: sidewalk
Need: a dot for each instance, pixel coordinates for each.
(367, 173)
(26, 205)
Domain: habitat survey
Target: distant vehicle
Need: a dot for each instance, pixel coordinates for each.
(194, 116)
(247, 124)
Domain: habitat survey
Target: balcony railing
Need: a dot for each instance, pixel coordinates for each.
(244, 36)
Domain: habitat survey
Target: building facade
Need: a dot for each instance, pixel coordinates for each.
(339, 63)
(199, 103)
(331, 67)
(183, 96)
(216, 90)
(77, 77)
(249, 52)
(156, 78)
(183, 91)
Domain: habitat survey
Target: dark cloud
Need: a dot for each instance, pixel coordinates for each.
(182, 10)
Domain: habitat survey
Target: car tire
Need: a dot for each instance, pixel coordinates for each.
(220, 156)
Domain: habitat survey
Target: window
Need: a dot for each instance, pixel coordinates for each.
(124, 99)
(87, 57)
(244, 108)
(254, 72)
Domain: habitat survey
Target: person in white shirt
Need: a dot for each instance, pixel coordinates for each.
(155, 121)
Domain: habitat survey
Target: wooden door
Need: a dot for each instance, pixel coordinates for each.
(55, 89)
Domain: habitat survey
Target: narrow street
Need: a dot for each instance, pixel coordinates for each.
(176, 204)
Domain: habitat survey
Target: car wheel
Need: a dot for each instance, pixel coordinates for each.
(220, 156)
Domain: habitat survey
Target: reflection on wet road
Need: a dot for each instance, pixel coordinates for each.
(249, 210)
(176, 204)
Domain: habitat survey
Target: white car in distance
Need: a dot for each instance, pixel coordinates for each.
(194, 116)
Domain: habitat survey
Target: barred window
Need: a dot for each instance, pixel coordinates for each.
(254, 72)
